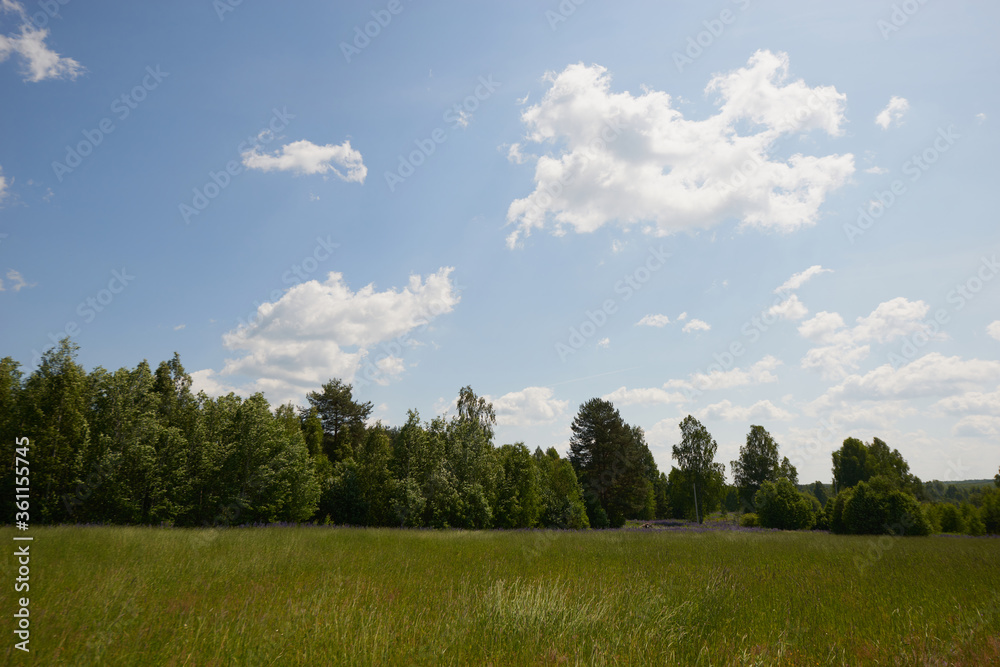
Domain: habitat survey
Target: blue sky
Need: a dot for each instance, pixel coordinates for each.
(671, 205)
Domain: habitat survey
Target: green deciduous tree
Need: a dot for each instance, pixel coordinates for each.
(561, 494)
(695, 455)
(849, 464)
(519, 494)
(56, 404)
(11, 385)
(780, 505)
(876, 507)
(758, 463)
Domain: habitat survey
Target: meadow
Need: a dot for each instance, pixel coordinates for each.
(318, 595)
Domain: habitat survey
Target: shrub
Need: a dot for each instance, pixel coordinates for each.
(990, 511)
(876, 508)
(749, 520)
(820, 520)
(781, 505)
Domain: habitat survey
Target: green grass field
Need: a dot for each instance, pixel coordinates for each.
(261, 596)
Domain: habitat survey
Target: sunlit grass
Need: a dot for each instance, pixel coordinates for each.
(363, 596)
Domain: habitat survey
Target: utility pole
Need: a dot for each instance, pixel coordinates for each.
(696, 516)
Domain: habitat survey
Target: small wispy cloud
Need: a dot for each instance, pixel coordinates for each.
(696, 325)
(38, 60)
(305, 157)
(893, 112)
(653, 321)
(18, 282)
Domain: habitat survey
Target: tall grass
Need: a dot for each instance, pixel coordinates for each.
(261, 596)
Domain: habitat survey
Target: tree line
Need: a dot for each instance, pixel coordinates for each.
(137, 446)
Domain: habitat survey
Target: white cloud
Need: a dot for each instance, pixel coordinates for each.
(928, 376)
(658, 321)
(972, 402)
(758, 373)
(800, 279)
(978, 425)
(842, 349)
(17, 279)
(993, 329)
(682, 317)
(673, 391)
(892, 113)
(892, 319)
(179, 327)
(790, 309)
(871, 414)
(528, 407)
(322, 330)
(207, 380)
(636, 160)
(604, 342)
(3, 185)
(761, 410)
(981, 117)
(878, 171)
(39, 61)
(821, 326)
(305, 157)
(696, 325)
(643, 396)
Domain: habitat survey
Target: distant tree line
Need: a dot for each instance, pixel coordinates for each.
(136, 446)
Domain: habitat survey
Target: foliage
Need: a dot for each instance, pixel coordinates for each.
(749, 520)
(857, 462)
(758, 463)
(695, 455)
(876, 508)
(342, 417)
(613, 463)
(780, 505)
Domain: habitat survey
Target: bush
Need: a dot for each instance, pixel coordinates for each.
(876, 508)
(990, 511)
(820, 520)
(781, 505)
(749, 520)
(835, 511)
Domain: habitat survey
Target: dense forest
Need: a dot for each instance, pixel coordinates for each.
(136, 446)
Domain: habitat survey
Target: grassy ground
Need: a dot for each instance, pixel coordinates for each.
(260, 596)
